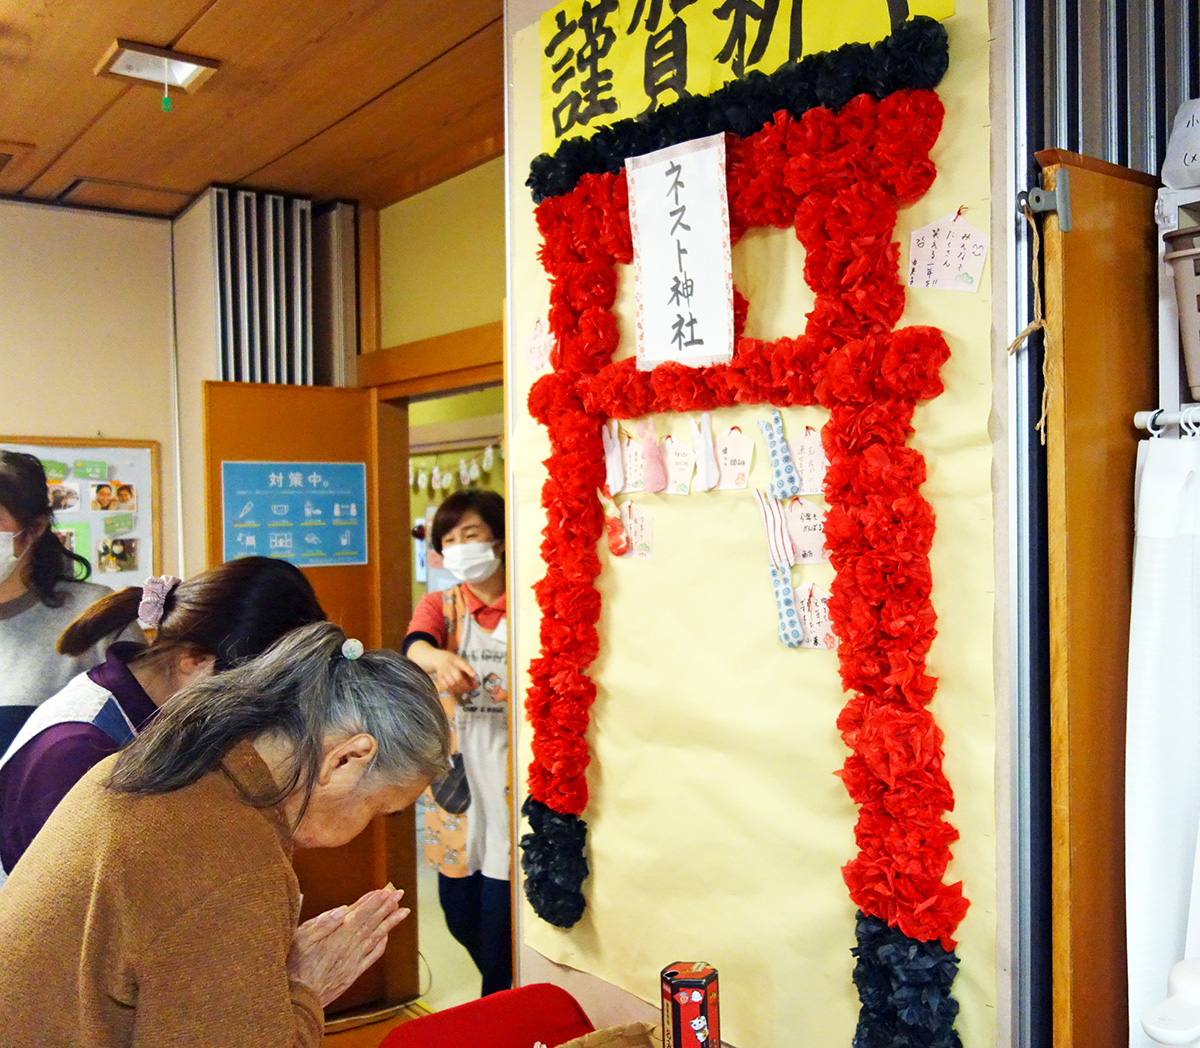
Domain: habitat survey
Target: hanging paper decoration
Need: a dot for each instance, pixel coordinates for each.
(638, 528)
(785, 481)
(614, 469)
(447, 480)
(654, 476)
(489, 456)
(633, 463)
(681, 463)
(473, 472)
(435, 478)
(614, 526)
(412, 474)
(464, 474)
(806, 526)
(735, 453)
(809, 455)
(781, 557)
(707, 470)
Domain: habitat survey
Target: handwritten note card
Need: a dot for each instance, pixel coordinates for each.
(537, 349)
(735, 452)
(681, 463)
(638, 528)
(635, 464)
(808, 453)
(948, 255)
(806, 525)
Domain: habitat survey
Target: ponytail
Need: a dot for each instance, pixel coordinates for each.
(299, 692)
(108, 616)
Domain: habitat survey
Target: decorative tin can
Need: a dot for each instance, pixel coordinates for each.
(690, 1005)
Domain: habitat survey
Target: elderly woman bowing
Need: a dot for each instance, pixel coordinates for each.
(158, 905)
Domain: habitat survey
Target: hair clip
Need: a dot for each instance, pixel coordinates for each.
(352, 648)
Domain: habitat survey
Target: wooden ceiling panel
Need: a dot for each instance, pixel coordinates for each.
(48, 95)
(288, 72)
(125, 197)
(445, 119)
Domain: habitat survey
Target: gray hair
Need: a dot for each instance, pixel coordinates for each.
(301, 690)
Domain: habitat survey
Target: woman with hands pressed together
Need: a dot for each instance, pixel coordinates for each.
(459, 637)
(159, 906)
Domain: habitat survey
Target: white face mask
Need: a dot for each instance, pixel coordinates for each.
(8, 557)
(471, 561)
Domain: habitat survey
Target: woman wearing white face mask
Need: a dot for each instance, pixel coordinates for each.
(459, 637)
(41, 593)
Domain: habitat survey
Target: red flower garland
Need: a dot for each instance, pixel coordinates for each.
(837, 179)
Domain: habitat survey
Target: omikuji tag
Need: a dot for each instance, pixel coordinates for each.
(637, 527)
(806, 525)
(947, 255)
(634, 465)
(537, 349)
(814, 612)
(811, 463)
(707, 471)
(681, 462)
(735, 452)
(614, 469)
(614, 526)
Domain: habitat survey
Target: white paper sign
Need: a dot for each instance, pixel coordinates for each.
(537, 349)
(683, 270)
(735, 453)
(1181, 165)
(638, 528)
(806, 525)
(808, 453)
(948, 255)
(681, 463)
(634, 463)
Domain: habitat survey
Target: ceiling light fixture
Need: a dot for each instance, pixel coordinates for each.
(129, 60)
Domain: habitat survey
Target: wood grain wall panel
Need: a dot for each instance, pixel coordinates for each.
(289, 74)
(1101, 311)
(385, 150)
(48, 95)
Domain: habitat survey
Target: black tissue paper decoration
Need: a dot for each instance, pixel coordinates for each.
(915, 57)
(553, 863)
(904, 988)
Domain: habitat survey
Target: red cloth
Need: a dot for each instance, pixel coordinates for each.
(429, 618)
(509, 1019)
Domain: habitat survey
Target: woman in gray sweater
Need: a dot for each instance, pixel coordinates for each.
(42, 590)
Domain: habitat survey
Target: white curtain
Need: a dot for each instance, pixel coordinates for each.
(1162, 774)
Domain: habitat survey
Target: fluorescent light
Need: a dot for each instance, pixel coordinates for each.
(129, 60)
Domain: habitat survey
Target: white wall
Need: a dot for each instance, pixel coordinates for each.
(85, 333)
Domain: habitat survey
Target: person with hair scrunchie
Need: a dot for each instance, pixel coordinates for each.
(43, 588)
(206, 625)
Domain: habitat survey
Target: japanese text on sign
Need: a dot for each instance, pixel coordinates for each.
(683, 270)
(311, 513)
(607, 60)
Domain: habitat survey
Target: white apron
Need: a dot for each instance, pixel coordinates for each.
(481, 721)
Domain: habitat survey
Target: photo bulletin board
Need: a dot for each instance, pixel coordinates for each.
(104, 494)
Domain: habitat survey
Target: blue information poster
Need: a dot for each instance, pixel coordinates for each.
(310, 513)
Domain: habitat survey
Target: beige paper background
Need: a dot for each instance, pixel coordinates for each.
(716, 826)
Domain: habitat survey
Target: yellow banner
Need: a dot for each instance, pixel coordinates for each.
(607, 60)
